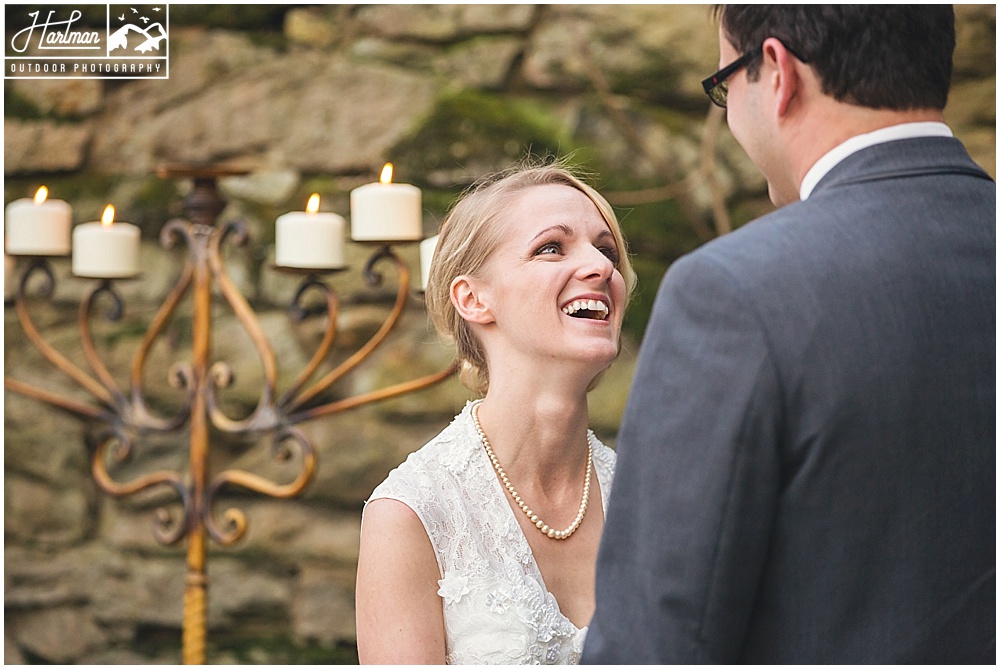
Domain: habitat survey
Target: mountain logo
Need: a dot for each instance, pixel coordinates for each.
(132, 37)
(119, 39)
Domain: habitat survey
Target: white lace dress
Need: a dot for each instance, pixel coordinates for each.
(496, 607)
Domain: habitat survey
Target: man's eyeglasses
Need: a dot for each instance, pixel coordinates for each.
(717, 85)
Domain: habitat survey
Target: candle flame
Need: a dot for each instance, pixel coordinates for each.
(41, 194)
(108, 217)
(386, 174)
(313, 206)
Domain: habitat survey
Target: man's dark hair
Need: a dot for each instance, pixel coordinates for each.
(880, 56)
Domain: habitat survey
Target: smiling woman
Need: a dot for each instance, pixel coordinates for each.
(481, 547)
(486, 217)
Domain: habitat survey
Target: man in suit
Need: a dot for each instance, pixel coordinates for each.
(807, 465)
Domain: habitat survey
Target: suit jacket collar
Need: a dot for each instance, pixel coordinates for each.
(900, 159)
(858, 142)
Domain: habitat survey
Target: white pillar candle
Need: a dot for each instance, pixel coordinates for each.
(38, 227)
(427, 248)
(386, 212)
(106, 250)
(310, 239)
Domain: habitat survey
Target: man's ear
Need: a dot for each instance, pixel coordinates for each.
(467, 300)
(784, 71)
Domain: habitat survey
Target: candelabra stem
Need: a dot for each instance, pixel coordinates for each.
(193, 639)
(195, 583)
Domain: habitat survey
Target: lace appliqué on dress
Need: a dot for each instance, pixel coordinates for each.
(496, 607)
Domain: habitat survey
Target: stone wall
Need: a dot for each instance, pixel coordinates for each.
(315, 99)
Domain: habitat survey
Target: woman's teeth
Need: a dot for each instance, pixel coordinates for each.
(595, 309)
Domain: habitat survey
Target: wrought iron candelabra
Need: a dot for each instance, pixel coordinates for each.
(119, 418)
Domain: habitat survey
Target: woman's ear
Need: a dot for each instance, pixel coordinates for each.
(466, 298)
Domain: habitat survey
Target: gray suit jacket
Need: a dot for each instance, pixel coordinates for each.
(807, 464)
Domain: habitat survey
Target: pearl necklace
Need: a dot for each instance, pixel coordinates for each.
(550, 532)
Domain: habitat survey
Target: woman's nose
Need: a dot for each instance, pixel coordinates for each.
(595, 264)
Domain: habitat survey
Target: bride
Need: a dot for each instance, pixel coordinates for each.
(481, 547)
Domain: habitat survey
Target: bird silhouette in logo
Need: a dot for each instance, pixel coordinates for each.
(144, 19)
(121, 18)
(134, 10)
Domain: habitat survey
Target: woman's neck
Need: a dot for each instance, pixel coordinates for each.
(538, 430)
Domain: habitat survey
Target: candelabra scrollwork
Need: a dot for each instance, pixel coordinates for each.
(113, 443)
(121, 419)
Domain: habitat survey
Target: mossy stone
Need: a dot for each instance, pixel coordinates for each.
(471, 133)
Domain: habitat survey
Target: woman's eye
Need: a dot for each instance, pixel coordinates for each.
(611, 254)
(550, 248)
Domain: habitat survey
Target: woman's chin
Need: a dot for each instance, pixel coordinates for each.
(598, 359)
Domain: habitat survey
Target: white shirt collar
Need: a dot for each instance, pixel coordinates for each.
(858, 142)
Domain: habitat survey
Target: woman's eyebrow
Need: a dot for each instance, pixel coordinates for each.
(568, 231)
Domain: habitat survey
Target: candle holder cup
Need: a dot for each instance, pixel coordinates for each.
(308, 271)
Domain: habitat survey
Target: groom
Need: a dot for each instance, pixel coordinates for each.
(807, 464)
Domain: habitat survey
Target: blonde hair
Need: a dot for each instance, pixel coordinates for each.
(473, 229)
